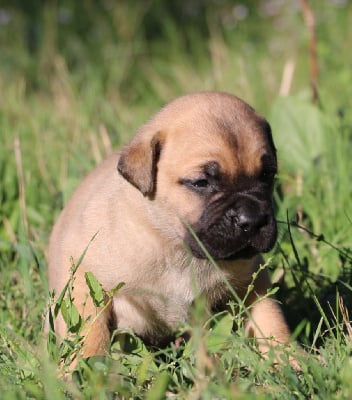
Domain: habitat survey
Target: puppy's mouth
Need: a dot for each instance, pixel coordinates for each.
(232, 238)
(244, 254)
(203, 252)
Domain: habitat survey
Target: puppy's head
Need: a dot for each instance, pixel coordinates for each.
(206, 164)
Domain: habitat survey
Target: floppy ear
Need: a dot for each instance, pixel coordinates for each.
(138, 161)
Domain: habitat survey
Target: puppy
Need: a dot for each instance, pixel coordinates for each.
(196, 180)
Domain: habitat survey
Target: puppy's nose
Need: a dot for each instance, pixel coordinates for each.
(249, 222)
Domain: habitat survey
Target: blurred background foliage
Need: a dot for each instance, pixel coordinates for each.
(122, 42)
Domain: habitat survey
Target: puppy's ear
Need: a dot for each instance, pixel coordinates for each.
(138, 161)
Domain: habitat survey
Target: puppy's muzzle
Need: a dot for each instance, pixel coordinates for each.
(239, 229)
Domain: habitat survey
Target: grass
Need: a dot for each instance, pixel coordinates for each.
(76, 83)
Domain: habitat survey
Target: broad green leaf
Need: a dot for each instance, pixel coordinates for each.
(128, 342)
(146, 368)
(71, 315)
(96, 290)
(157, 391)
(299, 131)
(220, 333)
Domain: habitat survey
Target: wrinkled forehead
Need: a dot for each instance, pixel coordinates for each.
(236, 143)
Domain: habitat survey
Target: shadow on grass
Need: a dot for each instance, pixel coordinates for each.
(315, 305)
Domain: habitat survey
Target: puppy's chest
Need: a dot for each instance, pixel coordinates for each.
(184, 283)
(161, 300)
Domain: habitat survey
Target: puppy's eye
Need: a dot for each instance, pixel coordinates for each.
(200, 183)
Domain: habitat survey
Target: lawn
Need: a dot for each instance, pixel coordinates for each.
(76, 81)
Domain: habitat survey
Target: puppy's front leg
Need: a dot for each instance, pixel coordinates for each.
(270, 329)
(95, 332)
(267, 323)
